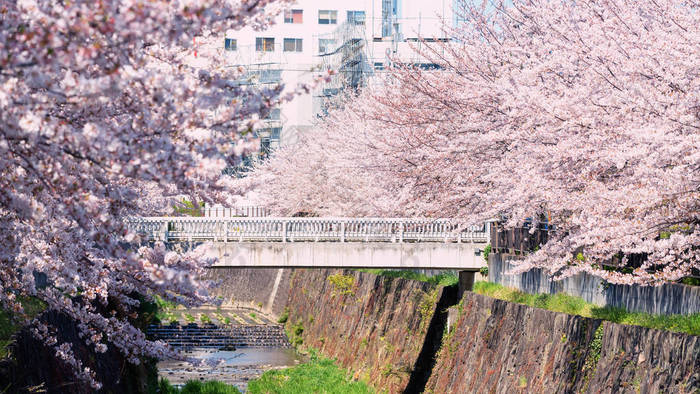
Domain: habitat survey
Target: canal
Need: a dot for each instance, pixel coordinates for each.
(236, 345)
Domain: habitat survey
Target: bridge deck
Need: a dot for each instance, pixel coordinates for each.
(269, 229)
(452, 256)
(325, 242)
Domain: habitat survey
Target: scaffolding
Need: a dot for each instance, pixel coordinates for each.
(345, 51)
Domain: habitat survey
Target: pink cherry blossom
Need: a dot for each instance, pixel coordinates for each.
(104, 115)
(583, 113)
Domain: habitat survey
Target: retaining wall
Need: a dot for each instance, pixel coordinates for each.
(388, 330)
(670, 298)
(248, 287)
(378, 327)
(501, 347)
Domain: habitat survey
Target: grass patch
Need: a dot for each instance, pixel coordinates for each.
(319, 375)
(284, 316)
(445, 279)
(197, 387)
(689, 324)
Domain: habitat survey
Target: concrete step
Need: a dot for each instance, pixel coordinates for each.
(211, 336)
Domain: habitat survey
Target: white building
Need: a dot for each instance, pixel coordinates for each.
(299, 45)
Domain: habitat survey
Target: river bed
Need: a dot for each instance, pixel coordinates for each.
(239, 366)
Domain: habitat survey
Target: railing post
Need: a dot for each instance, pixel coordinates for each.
(164, 231)
(401, 228)
(193, 228)
(284, 231)
(342, 231)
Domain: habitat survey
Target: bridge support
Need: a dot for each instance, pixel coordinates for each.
(466, 282)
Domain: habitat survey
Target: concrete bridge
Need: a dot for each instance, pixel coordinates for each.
(269, 242)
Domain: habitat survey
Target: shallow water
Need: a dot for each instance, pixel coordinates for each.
(238, 367)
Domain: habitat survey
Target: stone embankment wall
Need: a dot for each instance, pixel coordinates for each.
(387, 332)
(374, 326)
(264, 288)
(501, 347)
(670, 298)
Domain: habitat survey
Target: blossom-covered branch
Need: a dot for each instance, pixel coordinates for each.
(103, 111)
(586, 114)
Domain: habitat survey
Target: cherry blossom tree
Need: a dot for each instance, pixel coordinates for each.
(104, 109)
(583, 113)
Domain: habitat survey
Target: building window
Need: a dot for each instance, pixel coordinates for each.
(356, 17)
(269, 76)
(293, 16)
(230, 44)
(388, 14)
(271, 133)
(292, 45)
(327, 17)
(264, 44)
(326, 45)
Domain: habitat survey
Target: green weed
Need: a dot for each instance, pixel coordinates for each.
(319, 375)
(444, 279)
(487, 252)
(196, 387)
(284, 316)
(342, 284)
(426, 308)
(689, 324)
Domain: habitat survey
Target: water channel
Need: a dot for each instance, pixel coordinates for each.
(238, 349)
(239, 366)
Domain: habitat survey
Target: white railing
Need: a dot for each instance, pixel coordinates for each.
(269, 229)
(222, 212)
